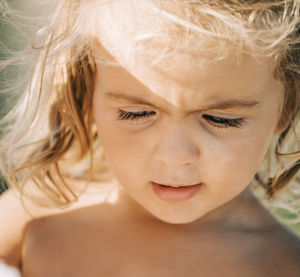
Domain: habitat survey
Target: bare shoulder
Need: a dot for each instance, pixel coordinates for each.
(264, 245)
(13, 218)
(43, 237)
(286, 249)
(56, 241)
(276, 252)
(54, 227)
(55, 237)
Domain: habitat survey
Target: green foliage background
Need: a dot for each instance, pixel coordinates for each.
(14, 37)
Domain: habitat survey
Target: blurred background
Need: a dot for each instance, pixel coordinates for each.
(31, 15)
(15, 35)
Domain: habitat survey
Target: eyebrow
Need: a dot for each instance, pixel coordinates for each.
(220, 105)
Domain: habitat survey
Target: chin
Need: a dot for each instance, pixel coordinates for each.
(177, 219)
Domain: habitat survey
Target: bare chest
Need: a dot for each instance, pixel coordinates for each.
(152, 257)
(131, 249)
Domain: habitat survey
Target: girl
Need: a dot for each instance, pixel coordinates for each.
(184, 99)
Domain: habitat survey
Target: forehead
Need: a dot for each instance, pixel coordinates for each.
(172, 69)
(192, 82)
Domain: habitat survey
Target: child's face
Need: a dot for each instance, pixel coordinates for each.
(182, 122)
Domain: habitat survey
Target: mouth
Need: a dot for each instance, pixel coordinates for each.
(175, 185)
(175, 193)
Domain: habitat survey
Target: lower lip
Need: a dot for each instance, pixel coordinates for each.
(172, 194)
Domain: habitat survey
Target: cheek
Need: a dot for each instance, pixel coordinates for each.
(237, 160)
(242, 155)
(125, 151)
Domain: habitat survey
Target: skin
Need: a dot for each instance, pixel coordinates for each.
(222, 230)
(215, 214)
(109, 240)
(177, 144)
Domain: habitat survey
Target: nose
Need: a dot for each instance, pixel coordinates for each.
(176, 147)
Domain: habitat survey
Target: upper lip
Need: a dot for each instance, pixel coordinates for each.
(176, 185)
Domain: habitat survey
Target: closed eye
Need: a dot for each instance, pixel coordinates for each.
(221, 122)
(124, 115)
(218, 122)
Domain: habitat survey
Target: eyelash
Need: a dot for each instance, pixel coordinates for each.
(218, 122)
(123, 115)
(221, 122)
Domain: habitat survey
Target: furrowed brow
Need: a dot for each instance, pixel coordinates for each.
(129, 98)
(232, 103)
(218, 105)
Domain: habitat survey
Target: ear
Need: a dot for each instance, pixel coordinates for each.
(282, 124)
(288, 111)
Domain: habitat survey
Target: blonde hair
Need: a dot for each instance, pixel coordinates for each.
(52, 124)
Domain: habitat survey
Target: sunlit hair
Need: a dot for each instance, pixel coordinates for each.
(50, 134)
